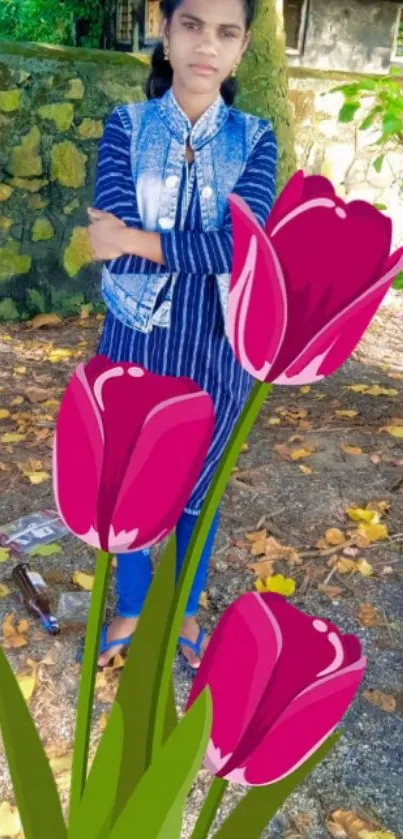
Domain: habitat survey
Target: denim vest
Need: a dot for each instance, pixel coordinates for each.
(222, 140)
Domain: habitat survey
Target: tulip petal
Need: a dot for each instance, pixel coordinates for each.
(237, 666)
(77, 458)
(257, 288)
(289, 198)
(301, 728)
(161, 470)
(335, 342)
(330, 254)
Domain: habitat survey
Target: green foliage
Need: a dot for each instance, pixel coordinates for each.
(386, 112)
(398, 281)
(44, 21)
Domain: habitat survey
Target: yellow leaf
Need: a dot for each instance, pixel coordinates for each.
(59, 354)
(23, 626)
(10, 822)
(373, 532)
(358, 514)
(17, 401)
(346, 414)
(376, 390)
(307, 470)
(27, 685)
(365, 568)
(4, 554)
(357, 388)
(45, 320)
(274, 421)
(297, 454)
(343, 565)
(38, 477)
(13, 437)
(353, 450)
(278, 584)
(4, 590)
(4, 414)
(305, 389)
(20, 370)
(85, 581)
(382, 700)
(203, 600)
(61, 763)
(394, 430)
(333, 536)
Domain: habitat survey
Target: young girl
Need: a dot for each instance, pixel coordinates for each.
(162, 227)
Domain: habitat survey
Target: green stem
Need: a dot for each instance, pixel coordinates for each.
(209, 809)
(245, 422)
(87, 681)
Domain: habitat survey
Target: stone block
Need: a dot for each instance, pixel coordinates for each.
(68, 164)
(337, 161)
(25, 160)
(62, 114)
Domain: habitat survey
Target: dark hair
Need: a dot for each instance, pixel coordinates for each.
(160, 77)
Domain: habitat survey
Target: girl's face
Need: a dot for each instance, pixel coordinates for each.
(205, 32)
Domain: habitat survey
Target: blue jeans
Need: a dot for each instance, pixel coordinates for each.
(134, 570)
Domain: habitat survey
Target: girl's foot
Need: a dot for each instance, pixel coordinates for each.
(190, 629)
(118, 628)
(122, 627)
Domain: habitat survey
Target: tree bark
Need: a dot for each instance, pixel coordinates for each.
(263, 81)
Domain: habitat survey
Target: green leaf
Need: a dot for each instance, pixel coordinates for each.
(258, 807)
(46, 550)
(377, 164)
(392, 124)
(398, 281)
(379, 206)
(137, 697)
(155, 808)
(95, 810)
(347, 112)
(34, 786)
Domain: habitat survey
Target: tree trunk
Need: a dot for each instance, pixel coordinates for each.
(263, 81)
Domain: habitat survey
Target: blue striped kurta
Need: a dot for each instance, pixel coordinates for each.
(195, 345)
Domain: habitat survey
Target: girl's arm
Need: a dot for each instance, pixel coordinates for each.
(114, 188)
(211, 252)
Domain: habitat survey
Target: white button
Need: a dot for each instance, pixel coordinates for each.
(207, 192)
(166, 222)
(171, 181)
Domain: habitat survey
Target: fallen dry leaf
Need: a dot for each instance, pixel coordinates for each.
(17, 401)
(394, 430)
(344, 824)
(4, 590)
(359, 514)
(37, 394)
(40, 321)
(273, 421)
(277, 583)
(203, 600)
(346, 414)
(333, 592)
(4, 414)
(343, 564)
(307, 470)
(369, 616)
(382, 700)
(13, 437)
(373, 532)
(4, 554)
(10, 822)
(365, 568)
(353, 450)
(298, 454)
(262, 569)
(27, 685)
(85, 581)
(334, 536)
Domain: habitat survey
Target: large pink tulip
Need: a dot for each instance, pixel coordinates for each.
(129, 446)
(280, 681)
(304, 289)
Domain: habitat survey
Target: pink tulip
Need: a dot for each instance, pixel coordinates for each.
(304, 289)
(129, 446)
(280, 681)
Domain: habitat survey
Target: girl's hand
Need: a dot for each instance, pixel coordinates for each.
(105, 235)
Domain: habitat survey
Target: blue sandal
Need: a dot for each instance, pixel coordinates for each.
(104, 644)
(195, 647)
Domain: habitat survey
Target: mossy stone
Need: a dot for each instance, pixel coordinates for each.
(33, 185)
(77, 89)
(12, 262)
(6, 223)
(5, 192)
(68, 164)
(25, 160)
(10, 100)
(78, 252)
(62, 114)
(91, 129)
(42, 230)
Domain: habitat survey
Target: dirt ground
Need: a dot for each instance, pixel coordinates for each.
(294, 498)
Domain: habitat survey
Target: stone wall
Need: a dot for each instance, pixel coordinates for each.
(53, 105)
(342, 152)
(349, 35)
(54, 102)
